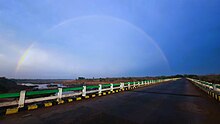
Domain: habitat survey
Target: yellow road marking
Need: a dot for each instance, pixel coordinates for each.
(48, 104)
(78, 98)
(11, 111)
(70, 100)
(86, 97)
(31, 107)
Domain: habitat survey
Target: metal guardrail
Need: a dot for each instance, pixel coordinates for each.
(25, 97)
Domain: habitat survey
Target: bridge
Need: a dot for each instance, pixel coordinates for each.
(161, 101)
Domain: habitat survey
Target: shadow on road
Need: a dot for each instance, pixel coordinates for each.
(191, 95)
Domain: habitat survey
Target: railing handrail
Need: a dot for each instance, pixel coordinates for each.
(9, 95)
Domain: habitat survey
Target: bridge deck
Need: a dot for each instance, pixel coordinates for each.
(173, 102)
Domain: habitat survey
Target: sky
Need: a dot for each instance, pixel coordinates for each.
(108, 38)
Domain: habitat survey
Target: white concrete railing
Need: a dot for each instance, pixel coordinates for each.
(207, 85)
(23, 100)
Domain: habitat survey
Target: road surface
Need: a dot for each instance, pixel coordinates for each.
(172, 102)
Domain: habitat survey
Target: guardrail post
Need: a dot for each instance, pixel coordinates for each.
(100, 88)
(111, 87)
(84, 91)
(59, 94)
(138, 83)
(134, 84)
(21, 99)
(145, 82)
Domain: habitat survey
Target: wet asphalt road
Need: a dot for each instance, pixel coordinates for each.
(171, 102)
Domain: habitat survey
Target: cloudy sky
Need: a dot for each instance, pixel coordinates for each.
(105, 38)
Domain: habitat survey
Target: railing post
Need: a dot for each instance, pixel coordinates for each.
(111, 87)
(145, 82)
(100, 88)
(84, 91)
(129, 85)
(59, 95)
(21, 99)
(214, 87)
(134, 84)
(122, 86)
(138, 83)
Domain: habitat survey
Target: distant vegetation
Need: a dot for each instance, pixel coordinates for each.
(213, 78)
(7, 85)
(95, 81)
(38, 81)
(210, 78)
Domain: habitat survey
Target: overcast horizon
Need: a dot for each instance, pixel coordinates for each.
(55, 39)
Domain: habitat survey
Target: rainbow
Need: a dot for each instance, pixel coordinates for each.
(119, 20)
(23, 57)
